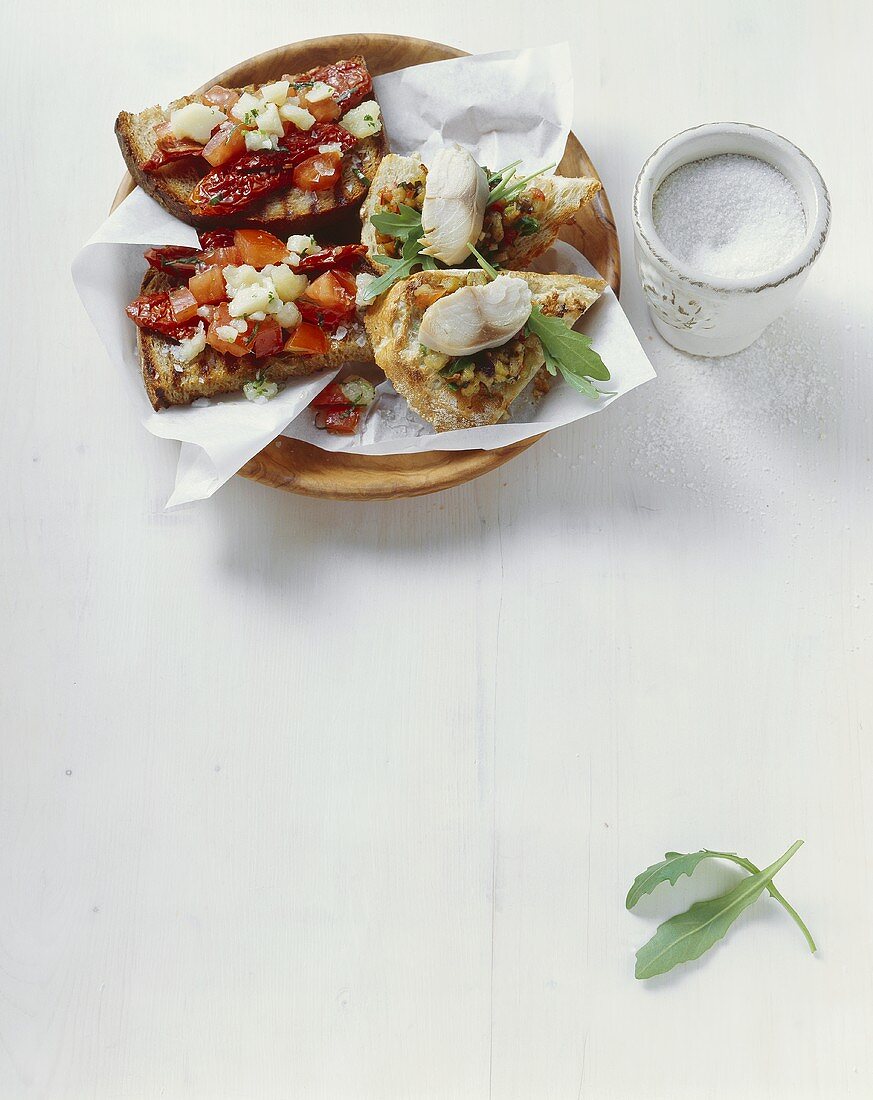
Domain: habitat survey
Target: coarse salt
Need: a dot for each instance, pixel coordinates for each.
(729, 216)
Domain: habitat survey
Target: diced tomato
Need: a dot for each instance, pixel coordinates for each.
(325, 110)
(220, 319)
(319, 173)
(307, 339)
(220, 257)
(264, 337)
(259, 248)
(222, 98)
(183, 304)
(339, 419)
(227, 143)
(208, 286)
(174, 259)
(330, 395)
(333, 290)
(216, 238)
(334, 294)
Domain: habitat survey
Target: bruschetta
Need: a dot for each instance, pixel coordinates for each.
(287, 156)
(246, 311)
(420, 216)
(460, 346)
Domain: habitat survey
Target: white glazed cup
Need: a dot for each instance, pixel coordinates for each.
(705, 315)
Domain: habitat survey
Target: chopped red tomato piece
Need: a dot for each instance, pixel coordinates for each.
(339, 420)
(207, 286)
(227, 143)
(222, 319)
(220, 257)
(183, 304)
(222, 98)
(329, 299)
(259, 248)
(330, 395)
(325, 110)
(174, 259)
(319, 173)
(307, 339)
(264, 337)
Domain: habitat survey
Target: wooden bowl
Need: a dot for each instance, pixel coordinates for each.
(299, 467)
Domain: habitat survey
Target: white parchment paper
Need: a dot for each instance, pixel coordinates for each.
(502, 107)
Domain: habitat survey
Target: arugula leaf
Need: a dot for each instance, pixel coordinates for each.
(404, 224)
(688, 935)
(670, 869)
(508, 187)
(675, 864)
(489, 269)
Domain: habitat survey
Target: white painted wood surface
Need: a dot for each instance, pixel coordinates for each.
(304, 799)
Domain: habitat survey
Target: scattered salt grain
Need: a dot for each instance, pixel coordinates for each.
(731, 428)
(729, 216)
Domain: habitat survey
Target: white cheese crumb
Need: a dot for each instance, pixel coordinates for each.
(302, 244)
(227, 333)
(260, 139)
(195, 121)
(191, 347)
(364, 120)
(276, 92)
(334, 147)
(341, 332)
(363, 280)
(260, 391)
(319, 92)
(299, 116)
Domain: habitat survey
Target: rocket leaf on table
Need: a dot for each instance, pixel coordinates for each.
(688, 935)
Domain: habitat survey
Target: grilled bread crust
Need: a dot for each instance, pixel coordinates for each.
(169, 382)
(565, 197)
(392, 325)
(286, 211)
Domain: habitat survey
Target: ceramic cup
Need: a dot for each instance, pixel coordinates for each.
(706, 315)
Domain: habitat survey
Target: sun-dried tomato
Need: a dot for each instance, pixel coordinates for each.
(155, 313)
(174, 259)
(349, 78)
(342, 256)
(231, 188)
(215, 238)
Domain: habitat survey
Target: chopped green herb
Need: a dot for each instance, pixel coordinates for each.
(364, 179)
(527, 226)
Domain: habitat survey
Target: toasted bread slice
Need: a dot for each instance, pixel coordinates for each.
(289, 210)
(169, 382)
(414, 371)
(564, 198)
